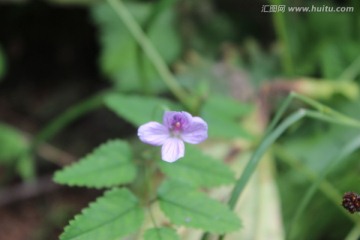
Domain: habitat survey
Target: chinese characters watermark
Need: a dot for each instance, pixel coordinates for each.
(312, 8)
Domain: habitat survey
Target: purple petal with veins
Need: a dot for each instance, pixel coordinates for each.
(196, 132)
(172, 150)
(153, 133)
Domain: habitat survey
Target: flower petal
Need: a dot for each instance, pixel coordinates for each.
(172, 150)
(170, 118)
(196, 132)
(153, 133)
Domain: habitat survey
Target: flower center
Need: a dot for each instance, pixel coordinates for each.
(177, 126)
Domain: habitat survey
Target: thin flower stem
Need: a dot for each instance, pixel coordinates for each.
(151, 53)
(349, 148)
(68, 116)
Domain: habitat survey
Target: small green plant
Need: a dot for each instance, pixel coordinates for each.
(164, 177)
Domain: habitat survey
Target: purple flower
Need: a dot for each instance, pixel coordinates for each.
(177, 128)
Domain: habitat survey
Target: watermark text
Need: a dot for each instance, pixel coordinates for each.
(308, 9)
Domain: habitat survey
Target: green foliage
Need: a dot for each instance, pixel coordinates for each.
(198, 169)
(184, 206)
(326, 44)
(14, 150)
(262, 65)
(108, 165)
(122, 59)
(112, 216)
(309, 155)
(161, 234)
(138, 109)
(223, 115)
(12, 143)
(25, 166)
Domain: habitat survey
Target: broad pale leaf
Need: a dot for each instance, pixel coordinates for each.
(138, 109)
(198, 169)
(185, 206)
(161, 234)
(116, 214)
(108, 165)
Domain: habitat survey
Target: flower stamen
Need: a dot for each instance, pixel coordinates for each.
(177, 126)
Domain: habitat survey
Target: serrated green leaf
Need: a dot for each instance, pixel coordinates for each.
(138, 109)
(184, 206)
(161, 234)
(223, 116)
(198, 169)
(12, 143)
(112, 216)
(108, 165)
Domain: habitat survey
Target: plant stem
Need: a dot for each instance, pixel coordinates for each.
(279, 113)
(328, 111)
(151, 53)
(318, 106)
(68, 116)
(157, 8)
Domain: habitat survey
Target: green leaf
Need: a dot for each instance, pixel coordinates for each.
(25, 166)
(121, 58)
(138, 109)
(184, 206)
(198, 169)
(112, 216)
(331, 60)
(223, 116)
(161, 234)
(109, 165)
(12, 143)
